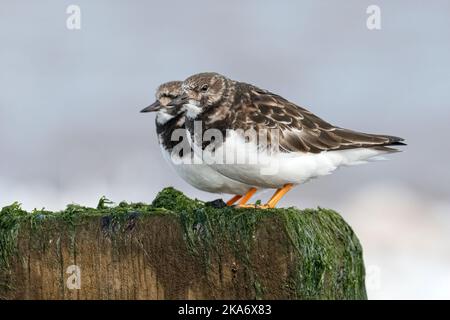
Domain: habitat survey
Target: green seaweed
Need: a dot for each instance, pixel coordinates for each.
(314, 234)
(10, 218)
(328, 263)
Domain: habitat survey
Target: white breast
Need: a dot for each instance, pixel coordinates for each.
(202, 176)
(275, 170)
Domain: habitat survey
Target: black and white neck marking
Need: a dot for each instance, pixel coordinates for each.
(166, 123)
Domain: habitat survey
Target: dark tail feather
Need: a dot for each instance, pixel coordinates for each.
(386, 149)
(354, 139)
(394, 141)
(391, 141)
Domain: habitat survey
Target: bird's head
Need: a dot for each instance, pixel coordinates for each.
(203, 89)
(165, 94)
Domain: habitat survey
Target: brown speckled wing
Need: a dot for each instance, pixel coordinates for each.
(299, 129)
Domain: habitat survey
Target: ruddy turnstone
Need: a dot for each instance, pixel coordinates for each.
(306, 146)
(186, 164)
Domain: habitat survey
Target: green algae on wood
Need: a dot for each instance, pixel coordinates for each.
(323, 255)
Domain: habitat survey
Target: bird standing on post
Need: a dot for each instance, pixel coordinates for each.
(307, 146)
(171, 119)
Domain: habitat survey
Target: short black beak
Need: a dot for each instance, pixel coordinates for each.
(180, 100)
(155, 106)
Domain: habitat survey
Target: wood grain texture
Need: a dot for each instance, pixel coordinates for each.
(203, 254)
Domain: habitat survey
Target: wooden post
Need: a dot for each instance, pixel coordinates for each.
(178, 248)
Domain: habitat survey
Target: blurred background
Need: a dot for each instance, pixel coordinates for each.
(71, 131)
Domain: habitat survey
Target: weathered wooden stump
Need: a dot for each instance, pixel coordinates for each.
(178, 248)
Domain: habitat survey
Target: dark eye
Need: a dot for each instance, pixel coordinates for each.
(204, 87)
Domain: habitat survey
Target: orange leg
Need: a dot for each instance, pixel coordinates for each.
(233, 200)
(247, 197)
(278, 195)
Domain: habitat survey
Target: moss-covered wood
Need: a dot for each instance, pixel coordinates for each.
(179, 248)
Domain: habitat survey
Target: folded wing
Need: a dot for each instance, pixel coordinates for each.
(299, 130)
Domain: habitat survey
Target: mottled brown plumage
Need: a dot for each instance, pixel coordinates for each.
(227, 104)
